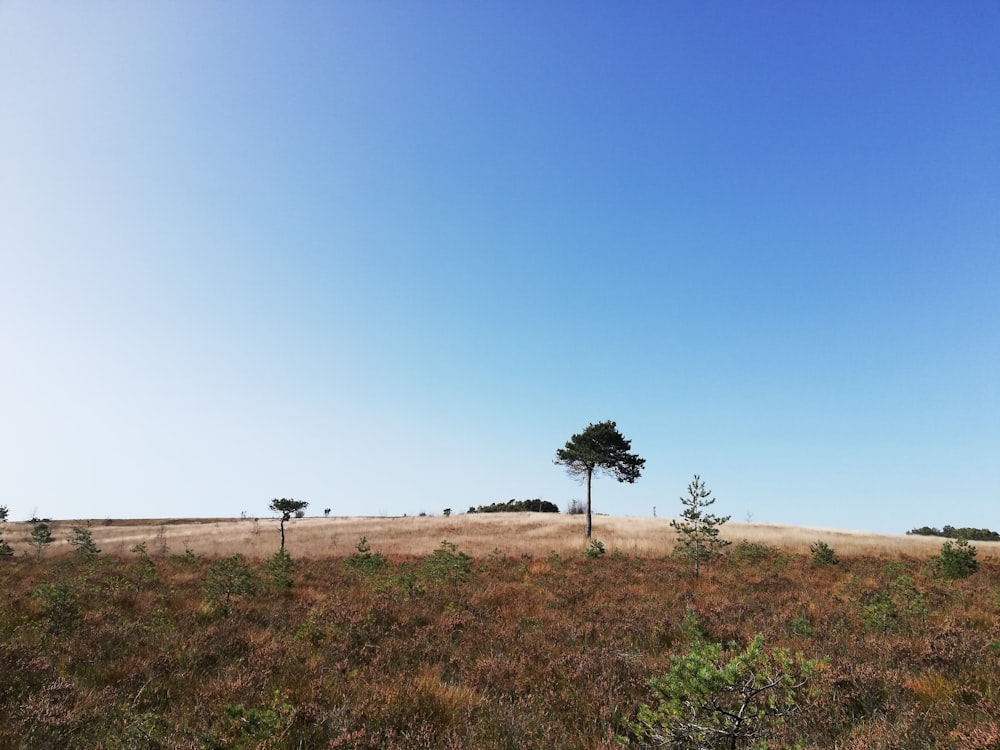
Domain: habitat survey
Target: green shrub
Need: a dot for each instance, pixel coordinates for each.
(83, 543)
(823, 554)
(957, 560)
(41, 537)
(228, 577)
(446, 565)
(60, 605)
(755, 552)
(712, 697)
(895, 609)
(188, 558)
(594, 549)
(365, 561)
(145, 569)
(279, 568)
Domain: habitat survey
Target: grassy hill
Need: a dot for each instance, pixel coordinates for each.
(478, 534)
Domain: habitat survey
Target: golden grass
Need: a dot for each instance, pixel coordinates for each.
(513, 534)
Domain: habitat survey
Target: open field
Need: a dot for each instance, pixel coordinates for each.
(515, 650)
(514, 534)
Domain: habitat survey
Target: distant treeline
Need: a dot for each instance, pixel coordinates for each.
(973, 535)
(518, 506)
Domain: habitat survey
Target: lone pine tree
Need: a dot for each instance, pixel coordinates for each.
(601, 448)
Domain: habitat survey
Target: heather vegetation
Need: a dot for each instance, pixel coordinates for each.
(447, 650)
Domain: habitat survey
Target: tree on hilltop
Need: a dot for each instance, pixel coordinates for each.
(287, 507)
(601, 448)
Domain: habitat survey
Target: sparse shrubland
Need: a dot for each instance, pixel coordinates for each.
(449, 650)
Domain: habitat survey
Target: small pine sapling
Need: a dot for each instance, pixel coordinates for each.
(697, 530)
(714, 697)
(41, 537)
(83, 543)
(957, 560)
(823, 554)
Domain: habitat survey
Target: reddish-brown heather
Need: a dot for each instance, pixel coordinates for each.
(528, 648)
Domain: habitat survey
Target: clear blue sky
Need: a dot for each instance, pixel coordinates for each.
(387, 257)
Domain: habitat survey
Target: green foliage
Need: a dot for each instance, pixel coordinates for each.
(518, 506)
(594, 549)
(41, 537)
(697, 530)
(4, 513)
(446, 565)
(365, 561)
(60, 605)
(957, 560)
(141, 730)
(278, 568)
(896, 609)
(188, 558)
(144, 570)
(600, 448)
(823, 554)
(712, 697)
(243, 728)
(755, 552)
(972, 534)
(228, 577)
(83, 543)
(5, 549)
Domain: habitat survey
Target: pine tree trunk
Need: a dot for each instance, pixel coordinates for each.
(590, 475)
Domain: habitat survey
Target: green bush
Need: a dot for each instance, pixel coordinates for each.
(83, 543)
(279, 568)
(446, 565)
(365, 561)
(713, 697)
(896, 609)
(595, 549)
(957, 560)
(228, 577)
(823, 554)
(755, 552)
(41, 537)
(60, 605)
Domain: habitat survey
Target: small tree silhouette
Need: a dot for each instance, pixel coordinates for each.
(287, 507)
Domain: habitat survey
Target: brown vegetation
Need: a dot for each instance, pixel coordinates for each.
(508, 649)
(478, 534)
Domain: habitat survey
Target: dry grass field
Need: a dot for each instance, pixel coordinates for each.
(513, 534)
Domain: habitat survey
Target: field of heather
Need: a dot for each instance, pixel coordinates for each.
(507, 637)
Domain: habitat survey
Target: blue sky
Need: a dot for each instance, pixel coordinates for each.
(387, 257)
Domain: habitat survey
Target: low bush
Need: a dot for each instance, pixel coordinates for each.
(957, 560)
(823, 554)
